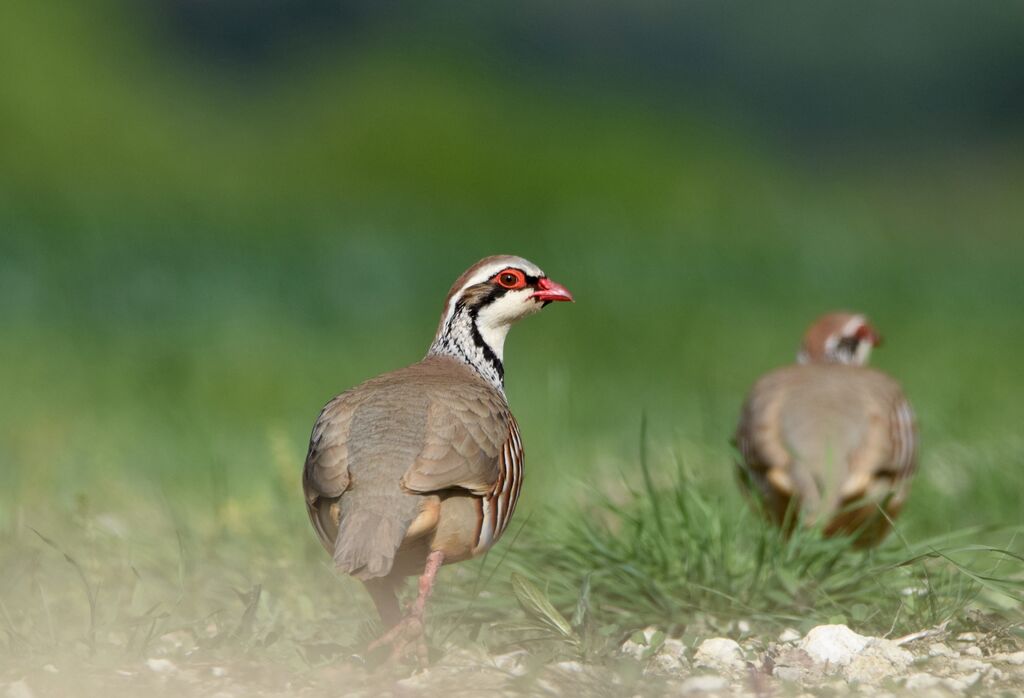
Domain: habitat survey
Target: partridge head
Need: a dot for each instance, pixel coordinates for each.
(423, 466)
(839, 338)
(829, 440)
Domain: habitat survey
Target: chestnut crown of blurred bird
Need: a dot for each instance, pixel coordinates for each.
(423, 466)
(829, 439)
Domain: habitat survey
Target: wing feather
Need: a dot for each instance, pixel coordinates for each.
(466, 429)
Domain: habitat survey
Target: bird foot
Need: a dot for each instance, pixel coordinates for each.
(408, 634)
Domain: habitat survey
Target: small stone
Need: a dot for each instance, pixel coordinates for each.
(419, 680)
(879, 660)
(648, 634)
(743, 626)
(512, 662)
(665, 664)
(545, 686)
(633, 649)
(677, 648)
(50, 669)
(834, 644)
(1016, 658)
(639, 645)
(865, 668)
(570, 667)
(939, 649)
(219, 671)
(970, 679)
(703, 684)
(959, 684)
(177, 640)
(789, 635)
(719, 653)
(795, 665)
(890, 650)
(834, 687)
(967, 637)
(793, 674)
(970, 665)
(921, 682)
(973, 651)
(19, 689)
(671, 658)
(161, 666)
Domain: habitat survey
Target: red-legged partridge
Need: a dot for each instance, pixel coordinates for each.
(422, 466)
(829, 438)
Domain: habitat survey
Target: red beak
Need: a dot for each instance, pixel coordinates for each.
(548, 290)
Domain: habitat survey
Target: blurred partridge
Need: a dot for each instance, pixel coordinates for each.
(422, 466)
(829, 440)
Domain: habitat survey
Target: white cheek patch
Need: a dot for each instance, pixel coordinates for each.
(841, 354)
(860, 357)
(863, 351)
(495, 319)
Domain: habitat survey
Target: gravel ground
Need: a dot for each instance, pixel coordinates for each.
(828, 660)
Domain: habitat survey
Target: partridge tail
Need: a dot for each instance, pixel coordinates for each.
(369, 534)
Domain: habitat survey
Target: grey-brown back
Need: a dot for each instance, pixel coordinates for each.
(827, 434)
(378, 448)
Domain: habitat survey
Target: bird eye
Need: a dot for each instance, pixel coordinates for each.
(511, 279)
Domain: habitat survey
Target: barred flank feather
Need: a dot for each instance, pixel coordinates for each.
(495, 509)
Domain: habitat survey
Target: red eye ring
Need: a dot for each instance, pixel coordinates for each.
(510, 278)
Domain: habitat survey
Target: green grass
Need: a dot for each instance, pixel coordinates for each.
(685, 558)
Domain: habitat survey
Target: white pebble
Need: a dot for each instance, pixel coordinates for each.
(671, 658)
(161, 666)
(1016, 658)
(703, 684)
(970, 665)
(962, 683)
(719, 652)
(938, 649)
(789, 635)
(921, 682)
(835, 644)
(571, 667)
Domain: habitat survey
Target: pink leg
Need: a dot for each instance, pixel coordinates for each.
(434, 562)
(410, 629)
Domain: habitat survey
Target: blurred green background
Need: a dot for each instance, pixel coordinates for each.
(215, 215)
